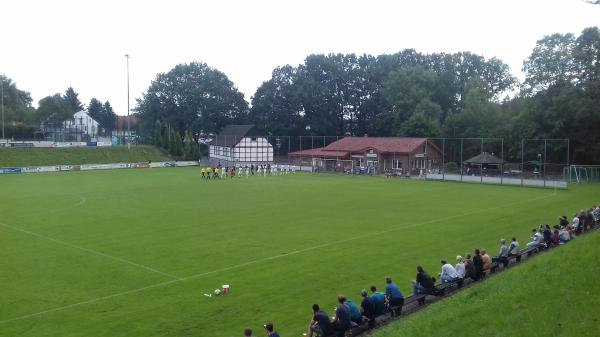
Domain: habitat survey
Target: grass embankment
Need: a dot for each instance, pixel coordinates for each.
(79, 155)
(554, 294)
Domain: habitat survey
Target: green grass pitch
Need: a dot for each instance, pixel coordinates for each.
(131, 252)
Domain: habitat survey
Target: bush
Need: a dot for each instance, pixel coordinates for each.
(451, 167)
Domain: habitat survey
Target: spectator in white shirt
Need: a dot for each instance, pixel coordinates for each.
(460, 267)
(537, 239)
(563, 235)
(513, 249)
(448, 273)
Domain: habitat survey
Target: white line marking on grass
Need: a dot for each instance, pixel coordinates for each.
(133, 291)
(95, 252)
(82, 200)
(98, 299)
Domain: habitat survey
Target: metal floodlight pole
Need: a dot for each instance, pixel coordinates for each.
(128, 119)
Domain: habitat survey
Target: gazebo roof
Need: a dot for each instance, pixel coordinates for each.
(484, 158)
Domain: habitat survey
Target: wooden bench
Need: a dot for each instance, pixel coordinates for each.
(396, 310)
(441, 288)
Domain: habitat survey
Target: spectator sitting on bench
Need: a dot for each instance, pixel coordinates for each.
(513, 249)
(502, 255)
(487, 261)
(563, 235)
(469, 267)
(555, 235)
(247, 332)
(589, 221)
(537, 239)
(320, 323)
(270, 332)
(367, 308)
(341, 322)
(547, 233)
(424, 284)
(596, 214)
(379, 300)
(582, 220)
(575, 224)
(355, 315)
(478, 264)
(460, 267)
(393, 293)
(448, 273)
(563, 222)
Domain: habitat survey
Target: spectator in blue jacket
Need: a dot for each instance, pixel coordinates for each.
(355, 315)
(393, 293)
(379, 299)
(502, 255)
(341, 322)
(367, 308)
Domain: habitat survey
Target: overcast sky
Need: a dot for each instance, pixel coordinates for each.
(47, 46)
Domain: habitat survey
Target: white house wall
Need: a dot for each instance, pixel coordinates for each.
(247, 150)
(253, 150)
(220, 152)
(83, 122)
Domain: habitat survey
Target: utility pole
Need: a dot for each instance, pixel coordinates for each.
(2, 98)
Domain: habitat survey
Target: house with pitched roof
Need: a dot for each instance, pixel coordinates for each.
(374, 155)
(240, 144)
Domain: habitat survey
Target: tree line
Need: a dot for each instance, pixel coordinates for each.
(23, 121)
(408, 93)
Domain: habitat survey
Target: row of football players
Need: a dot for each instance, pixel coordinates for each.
(219, 172)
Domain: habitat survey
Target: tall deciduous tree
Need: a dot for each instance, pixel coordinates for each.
(192, 96)
(53, 110)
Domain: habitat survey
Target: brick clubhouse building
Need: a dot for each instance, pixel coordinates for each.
(373, 155)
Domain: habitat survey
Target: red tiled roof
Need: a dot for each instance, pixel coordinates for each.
(379, 144)
(320, 153)
(356, 145)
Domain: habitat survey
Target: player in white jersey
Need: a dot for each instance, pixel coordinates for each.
(239, 171)
(247, 169)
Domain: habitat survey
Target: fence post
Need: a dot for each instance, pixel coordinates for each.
(481, 163)
(461, 159)
(522, 159)
(502, 162)
(544, 173)
(443, 158)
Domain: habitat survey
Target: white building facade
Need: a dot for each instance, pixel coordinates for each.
(83, 122)
(240, 144)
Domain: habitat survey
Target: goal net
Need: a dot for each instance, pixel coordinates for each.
(584, 174)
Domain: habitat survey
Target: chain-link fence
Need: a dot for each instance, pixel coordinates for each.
(531, 162)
